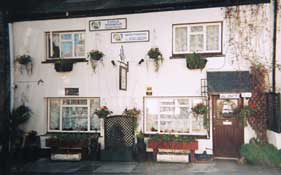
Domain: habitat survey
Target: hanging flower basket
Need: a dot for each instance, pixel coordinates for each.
(63, 65)
(156, 55)
(95, 56)
(195, 61)
(25, 62)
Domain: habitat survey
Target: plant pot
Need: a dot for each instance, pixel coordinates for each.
(64, 67)
(201, 66)
(173, 145)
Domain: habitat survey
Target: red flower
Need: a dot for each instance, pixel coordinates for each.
(253, 106)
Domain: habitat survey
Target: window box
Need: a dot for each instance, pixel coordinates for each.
(192, 145)
(63, 66)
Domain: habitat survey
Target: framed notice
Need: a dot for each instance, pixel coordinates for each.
(108, 24)
(71, 91)
(132, 36)
(122, 78)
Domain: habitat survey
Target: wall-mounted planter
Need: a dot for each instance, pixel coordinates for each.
(195, 61)
(63, 66)
(173, 145)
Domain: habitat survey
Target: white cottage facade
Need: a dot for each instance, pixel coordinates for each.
(175, 88)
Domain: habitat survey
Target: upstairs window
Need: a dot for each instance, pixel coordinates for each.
(199, 38)
(65, 45)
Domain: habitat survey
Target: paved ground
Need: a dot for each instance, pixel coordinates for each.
(217, 167)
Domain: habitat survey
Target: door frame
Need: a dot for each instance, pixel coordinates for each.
(213, 98)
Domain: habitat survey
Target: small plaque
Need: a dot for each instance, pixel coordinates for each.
(71, 91)
(148, 90)
(229, 96)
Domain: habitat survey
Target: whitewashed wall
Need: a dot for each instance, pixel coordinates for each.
(173, 78)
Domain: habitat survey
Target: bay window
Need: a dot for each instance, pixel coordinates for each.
(172, 115)
(73, 114)
(199, 38)
(65, 44)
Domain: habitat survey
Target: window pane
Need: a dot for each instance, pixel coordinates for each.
(75, 118)
(151, 110)
(79, 44)
(66, 49)
(94, 120)
(56, 46)
(54, 114)
(74, 102)
(212, 37)
(196, 43)
(181, 39)
(66, 36)
(196, 29)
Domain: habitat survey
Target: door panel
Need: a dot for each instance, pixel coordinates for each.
(228, 132)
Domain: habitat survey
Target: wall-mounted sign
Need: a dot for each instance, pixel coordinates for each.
(246, 94)
(149, 90)
(229, 96)
(71, 91)
(108, 24)
(123, 78)
(132, 36)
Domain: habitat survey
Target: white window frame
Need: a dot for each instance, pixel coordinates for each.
(188, 26)
(205, 133)
(60, 33)
(60, 130)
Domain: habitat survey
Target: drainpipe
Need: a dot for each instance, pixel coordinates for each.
(12, 84)
(275, 12)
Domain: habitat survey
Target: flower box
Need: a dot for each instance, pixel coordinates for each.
(63, 66)
(193, 145)
(55, 143)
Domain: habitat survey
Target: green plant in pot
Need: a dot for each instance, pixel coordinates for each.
(63, 65)
(103, 112)
(156, 55)
(95, 56)
(25, 62)
(195, 61)
(134, 113)
(201, 109)
(19, 116)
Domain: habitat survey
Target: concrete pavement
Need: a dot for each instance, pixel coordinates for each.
(216, 167)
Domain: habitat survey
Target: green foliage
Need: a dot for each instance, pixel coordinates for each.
(244, 113)
(95, 55)
(103, 112)
(200, 108)
(73, 138)
(195, 61)
(140, 135)
(169, 138)
(261, 154)
(20, 115)
(156, 55)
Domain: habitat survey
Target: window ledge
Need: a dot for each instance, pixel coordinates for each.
(72, 60)
(205, 55)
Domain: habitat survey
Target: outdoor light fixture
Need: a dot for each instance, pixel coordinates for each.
(113, 63)
(141, 61)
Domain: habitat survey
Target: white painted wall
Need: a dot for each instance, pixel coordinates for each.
(173, 78)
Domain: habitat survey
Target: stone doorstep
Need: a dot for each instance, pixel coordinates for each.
(173, 157)
(68, 156)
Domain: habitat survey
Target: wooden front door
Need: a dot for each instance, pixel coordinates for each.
(228, 132)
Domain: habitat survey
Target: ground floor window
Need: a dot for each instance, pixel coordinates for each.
(73, 114)
(172, 115)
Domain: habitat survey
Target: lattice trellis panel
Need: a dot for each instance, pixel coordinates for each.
(118, 131)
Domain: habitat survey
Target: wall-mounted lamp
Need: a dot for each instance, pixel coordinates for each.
(141, 61)
(113, 63)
